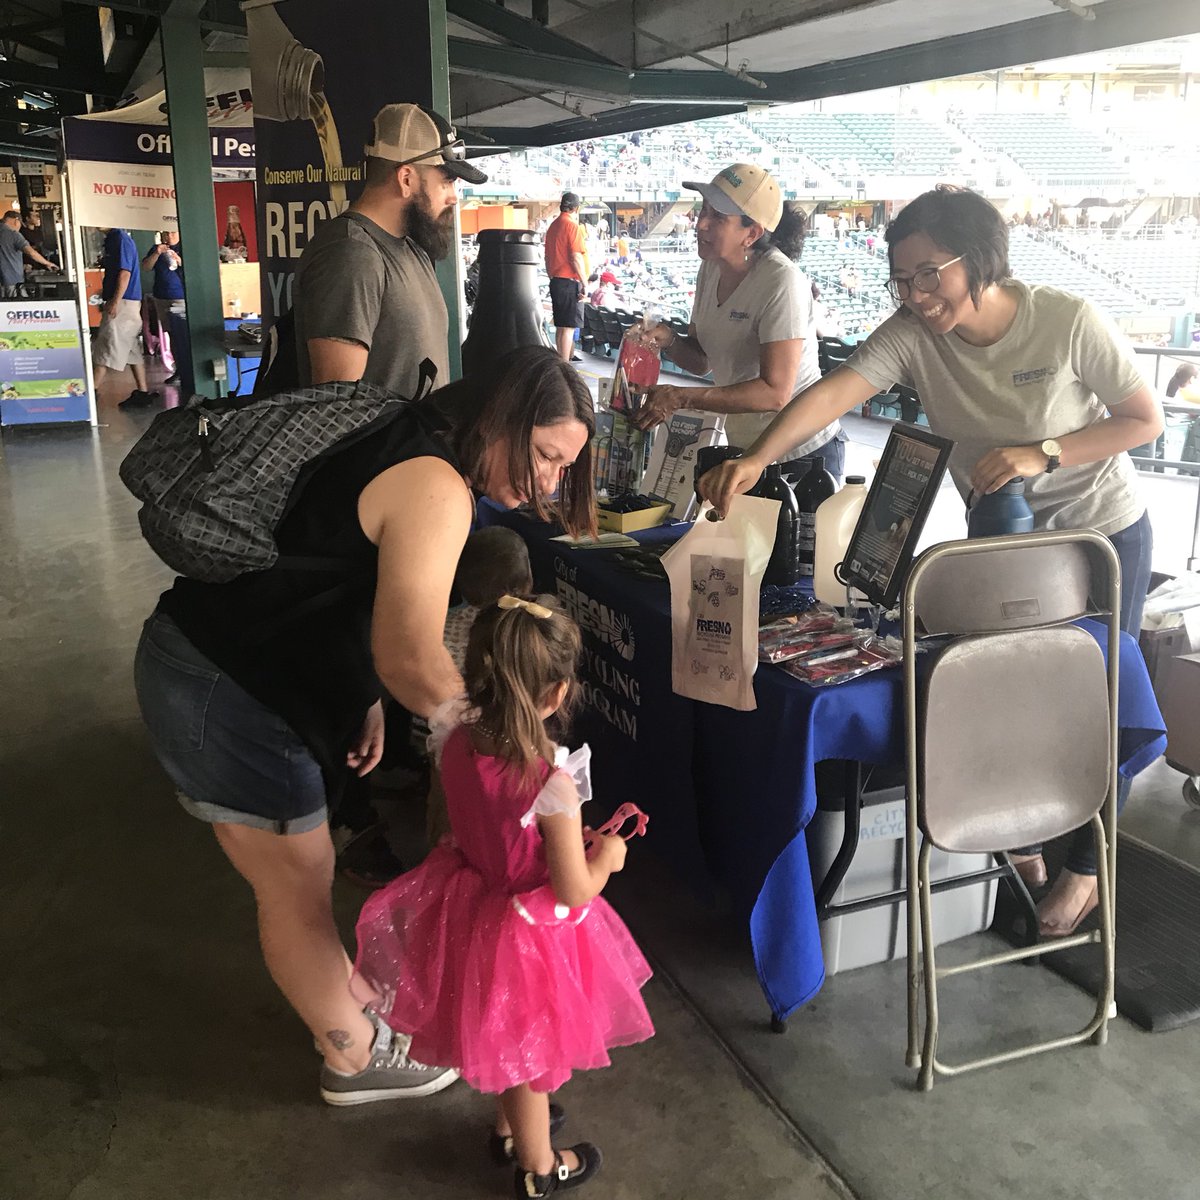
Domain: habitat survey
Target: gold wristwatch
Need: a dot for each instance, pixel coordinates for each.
(1053, 452)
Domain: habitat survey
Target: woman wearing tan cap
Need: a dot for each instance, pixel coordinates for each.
(752, 320)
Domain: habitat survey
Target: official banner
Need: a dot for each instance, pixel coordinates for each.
(42, 376)
(318, 82)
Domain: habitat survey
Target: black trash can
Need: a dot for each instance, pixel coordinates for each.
(507, 311)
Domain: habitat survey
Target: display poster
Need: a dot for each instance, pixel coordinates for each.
(120, 195)
(317, 85)
(902, 493)
(42, 374)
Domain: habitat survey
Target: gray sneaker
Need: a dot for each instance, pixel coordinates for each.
(390, 1075)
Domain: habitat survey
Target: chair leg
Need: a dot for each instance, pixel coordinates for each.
(912, 1055)
(929, 1050)
(1107, 907)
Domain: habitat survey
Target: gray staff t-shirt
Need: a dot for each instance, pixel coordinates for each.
(772, 304)
(357, 282)
(12, 256)
(1057, 370)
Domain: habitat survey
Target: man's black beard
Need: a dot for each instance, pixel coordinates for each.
(435, 237)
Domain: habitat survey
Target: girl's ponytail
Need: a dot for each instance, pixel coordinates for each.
(519, 650)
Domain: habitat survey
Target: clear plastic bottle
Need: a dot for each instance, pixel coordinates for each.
(833, 527)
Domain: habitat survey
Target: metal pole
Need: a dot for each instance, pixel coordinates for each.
(449, 270)
(191, 155)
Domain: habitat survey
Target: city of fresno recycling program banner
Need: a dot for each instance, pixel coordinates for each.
(311, 126)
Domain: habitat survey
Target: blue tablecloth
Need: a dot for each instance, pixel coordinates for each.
(729, 793)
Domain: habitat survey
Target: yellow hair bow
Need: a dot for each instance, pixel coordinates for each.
(531, 607)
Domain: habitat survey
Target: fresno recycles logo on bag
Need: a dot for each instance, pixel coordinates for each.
(715, 572)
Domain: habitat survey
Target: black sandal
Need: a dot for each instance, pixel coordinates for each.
(528, 1185)
(500, 1145)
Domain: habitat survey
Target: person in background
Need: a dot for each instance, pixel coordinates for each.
(369, 306)
(368, 303)
(262, 694)
(31, 229)
(116, 345)
(622, 248)
(14, 250)
(165, 259)
(567, 266)
(1030, 382)
(752, 319)
(498, 953)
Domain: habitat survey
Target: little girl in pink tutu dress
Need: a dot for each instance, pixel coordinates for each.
(497, 954)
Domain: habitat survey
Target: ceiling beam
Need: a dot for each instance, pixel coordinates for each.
(553, 73)
(27, 36)
(56, 79)
(487, 16)
(221, 16)
(625, 119)
(35, 153)
(1117, 23)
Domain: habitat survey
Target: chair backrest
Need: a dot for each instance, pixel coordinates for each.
(1016, 588)
(1013, 736)
(1010, 729)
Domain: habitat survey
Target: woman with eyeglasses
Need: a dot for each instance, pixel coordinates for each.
(752, 321)
(1029, 382)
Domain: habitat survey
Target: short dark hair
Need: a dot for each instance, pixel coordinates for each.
(788, 236)
(380, 171)
(961, 222)
(493, 563)
(522, 390)
(12, 214)
(569, 202)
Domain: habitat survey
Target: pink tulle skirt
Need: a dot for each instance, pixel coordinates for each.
(455, 963)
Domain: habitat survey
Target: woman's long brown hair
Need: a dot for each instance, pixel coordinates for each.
(532, 387)
(514, 661)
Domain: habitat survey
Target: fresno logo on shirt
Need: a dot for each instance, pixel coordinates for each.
(1036, 375)
(736, 314)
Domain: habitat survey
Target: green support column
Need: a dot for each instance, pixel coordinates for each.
(449, 270)
(191, 154)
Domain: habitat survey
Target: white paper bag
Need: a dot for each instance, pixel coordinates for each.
(715, 571)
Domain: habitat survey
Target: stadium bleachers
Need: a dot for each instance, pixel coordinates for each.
(908, 144)
(1051, 147)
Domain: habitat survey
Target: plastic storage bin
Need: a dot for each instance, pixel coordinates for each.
(879, 934)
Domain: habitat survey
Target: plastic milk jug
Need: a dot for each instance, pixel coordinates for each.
(812, 491)
(834, 527)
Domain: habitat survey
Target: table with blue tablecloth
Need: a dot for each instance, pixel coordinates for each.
(729, 793)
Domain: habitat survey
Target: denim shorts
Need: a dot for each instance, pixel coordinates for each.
(232, 760)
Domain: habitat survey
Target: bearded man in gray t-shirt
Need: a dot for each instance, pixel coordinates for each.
(368, 305)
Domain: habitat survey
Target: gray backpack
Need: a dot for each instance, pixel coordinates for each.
(216, 479)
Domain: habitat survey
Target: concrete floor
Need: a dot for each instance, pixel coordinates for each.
(144, 1052)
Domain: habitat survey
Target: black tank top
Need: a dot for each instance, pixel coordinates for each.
(299, 641)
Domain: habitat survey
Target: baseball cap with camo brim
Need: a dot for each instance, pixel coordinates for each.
(408, 133)
(742, 189)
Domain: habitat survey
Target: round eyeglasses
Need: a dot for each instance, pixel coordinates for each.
(926, 280)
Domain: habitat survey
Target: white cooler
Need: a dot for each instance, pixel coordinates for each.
(879, 934)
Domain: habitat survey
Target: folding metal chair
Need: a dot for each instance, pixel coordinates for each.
(1011, 737)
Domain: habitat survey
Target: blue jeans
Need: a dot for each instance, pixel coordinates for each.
(1134, 546)
(832, 451)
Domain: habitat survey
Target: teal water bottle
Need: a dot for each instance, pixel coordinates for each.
(1000, 512)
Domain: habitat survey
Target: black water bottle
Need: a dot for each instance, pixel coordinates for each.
(784, 568)
(812, 491)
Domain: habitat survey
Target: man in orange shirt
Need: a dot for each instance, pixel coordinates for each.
(567, 266)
